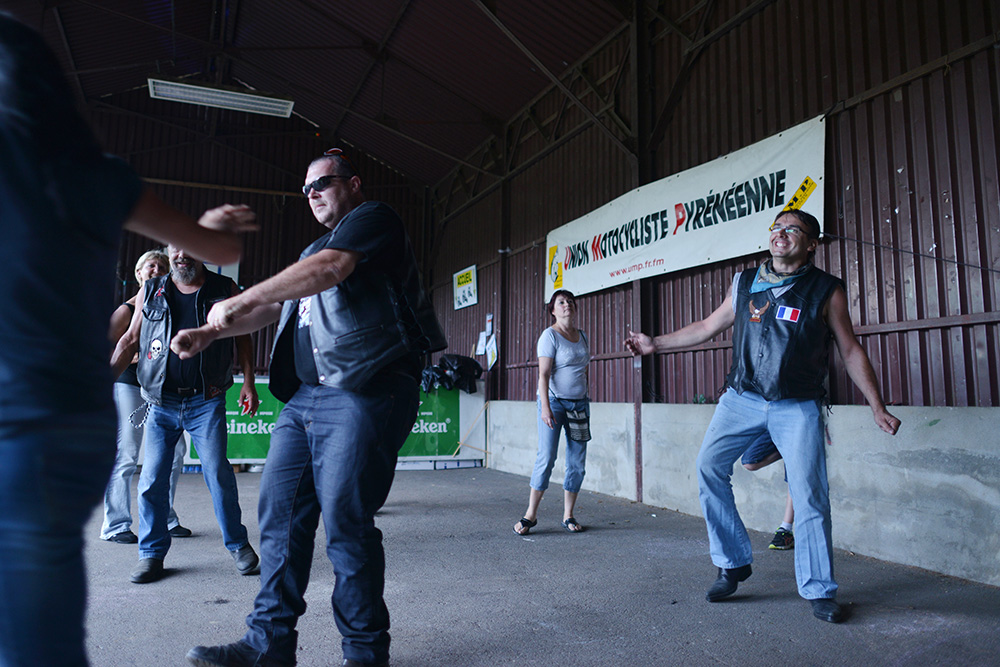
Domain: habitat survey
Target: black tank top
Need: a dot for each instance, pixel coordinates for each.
(182, 374)
(128, 375)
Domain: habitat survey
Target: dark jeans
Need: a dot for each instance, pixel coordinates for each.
(205, 420)
(333, 452)
(52, 476)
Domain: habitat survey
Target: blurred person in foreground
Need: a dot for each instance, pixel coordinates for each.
(64, 205)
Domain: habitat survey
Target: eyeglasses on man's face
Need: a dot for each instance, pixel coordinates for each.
(793, 232)
(322, 183)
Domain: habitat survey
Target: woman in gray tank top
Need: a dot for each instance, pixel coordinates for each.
(563, 405)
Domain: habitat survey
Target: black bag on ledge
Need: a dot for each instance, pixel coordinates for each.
(452, 370)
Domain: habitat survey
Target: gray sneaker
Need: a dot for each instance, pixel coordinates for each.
(246, 560)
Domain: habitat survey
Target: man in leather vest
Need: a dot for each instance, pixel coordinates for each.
(185, 395)
(346, 360)
(783, 315)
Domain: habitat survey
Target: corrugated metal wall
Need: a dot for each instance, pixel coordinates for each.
(912, 92)
(911, 89)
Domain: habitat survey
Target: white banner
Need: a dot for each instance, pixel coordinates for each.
(712, 212)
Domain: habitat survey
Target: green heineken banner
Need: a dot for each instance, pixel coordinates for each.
(435, 433)
(249, 437)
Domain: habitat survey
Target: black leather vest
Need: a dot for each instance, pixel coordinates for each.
(358, 327)
(216, 362)
(782, 350)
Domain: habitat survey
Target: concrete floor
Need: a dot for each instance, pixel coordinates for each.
(464, 591)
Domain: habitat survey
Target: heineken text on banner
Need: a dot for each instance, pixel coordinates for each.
(712, 212)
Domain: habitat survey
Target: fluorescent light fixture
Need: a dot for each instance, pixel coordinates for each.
(220, 98)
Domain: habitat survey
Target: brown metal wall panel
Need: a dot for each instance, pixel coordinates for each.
(474, 238)
(577, 177)
(909, 170)
(913, 202)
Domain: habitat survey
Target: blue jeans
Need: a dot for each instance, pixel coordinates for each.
(118, 495)
(52, 475)
(333, 452)
(548, 447)
(759, 449)
(796, 427)
(205, 420)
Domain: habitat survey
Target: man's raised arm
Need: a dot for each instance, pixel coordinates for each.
(258, 306)
(693, 334)
(128, 344)
(215, 237)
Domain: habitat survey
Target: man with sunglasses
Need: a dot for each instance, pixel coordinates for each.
(347, 362)
(783, 316)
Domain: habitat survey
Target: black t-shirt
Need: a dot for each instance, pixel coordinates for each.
(182, 373)
(373, 230)
(62, 206)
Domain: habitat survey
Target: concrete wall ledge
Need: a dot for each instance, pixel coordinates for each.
(928, 497)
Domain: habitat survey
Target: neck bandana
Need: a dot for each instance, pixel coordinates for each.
(768, 278)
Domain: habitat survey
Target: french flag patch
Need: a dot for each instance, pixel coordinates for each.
(788, 314)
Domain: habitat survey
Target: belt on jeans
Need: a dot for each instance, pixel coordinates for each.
(186, 392)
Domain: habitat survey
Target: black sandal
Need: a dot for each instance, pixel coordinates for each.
(526, 524)
(572, 522)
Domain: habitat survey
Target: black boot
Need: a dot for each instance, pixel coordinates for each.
(727, 582)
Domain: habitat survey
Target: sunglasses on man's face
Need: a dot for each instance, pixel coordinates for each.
(322, 183)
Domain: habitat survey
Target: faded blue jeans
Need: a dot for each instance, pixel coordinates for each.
(548, 446)
(796, 427)
(118, 495)
(333, 452)
(52, 475)
(205, 420)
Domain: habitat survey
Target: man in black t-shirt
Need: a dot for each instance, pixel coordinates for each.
(346, 360)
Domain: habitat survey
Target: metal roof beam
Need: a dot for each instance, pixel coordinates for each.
(485, 113)
(554, 79)
(378, 56)
(69, 55)
(374, 121)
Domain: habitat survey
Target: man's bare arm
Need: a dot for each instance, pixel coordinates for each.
(312, 275)
(120, 319)
(214, 237)
(856, 361)
(128, 344)
(693, 334)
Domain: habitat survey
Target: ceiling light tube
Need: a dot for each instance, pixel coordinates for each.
(219, 98)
